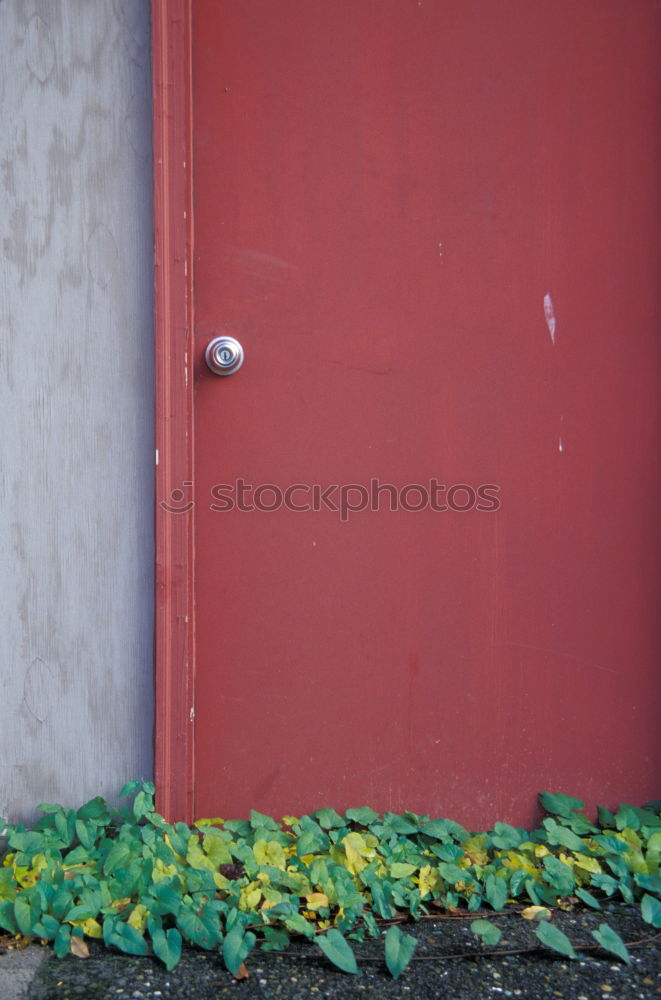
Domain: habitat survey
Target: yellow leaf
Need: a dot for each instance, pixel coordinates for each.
(121, 904)
(536, 913)
(358, 852)
(315, 900)
(629, 836)
(589, 864)
(516, 861)
(289, 820)
(250, 896)
(270, 852)
(28, 876)
(138, 917)
(73, 871)
(92, 928)
(475, 849)
(196, 857)
(216, 821)
(220, 881)
(427, 881)
(541, 851)
(161, 870)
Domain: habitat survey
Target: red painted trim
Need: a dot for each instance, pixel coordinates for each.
(175, 662)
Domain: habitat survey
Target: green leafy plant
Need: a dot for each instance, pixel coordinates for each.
(147, 887)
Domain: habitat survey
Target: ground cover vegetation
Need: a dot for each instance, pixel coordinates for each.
(145, 886)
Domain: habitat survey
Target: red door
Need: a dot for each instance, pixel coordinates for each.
(415, 534)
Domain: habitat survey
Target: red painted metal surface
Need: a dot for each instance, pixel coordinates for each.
(174, 638)
(430, 224)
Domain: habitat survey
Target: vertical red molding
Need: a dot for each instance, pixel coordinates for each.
(173, 232)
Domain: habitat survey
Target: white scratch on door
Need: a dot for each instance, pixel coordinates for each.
(549, 315)
(560, 445)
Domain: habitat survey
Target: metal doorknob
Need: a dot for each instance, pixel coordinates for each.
(224, 355)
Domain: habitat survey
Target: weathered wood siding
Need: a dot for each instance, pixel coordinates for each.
(76, 385)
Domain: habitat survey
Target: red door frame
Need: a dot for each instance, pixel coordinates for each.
(173, 305)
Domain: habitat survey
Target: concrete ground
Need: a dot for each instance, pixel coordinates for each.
(18, 969)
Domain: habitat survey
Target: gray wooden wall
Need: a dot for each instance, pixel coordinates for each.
(76, 400)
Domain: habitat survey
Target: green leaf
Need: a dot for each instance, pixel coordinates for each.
(29, 843)
(24, 915)
(553, 937)
(447, 850)
(364, 815)
(165, 898)
(399, 950)
(128, 939)
(560, 835)
(400, 824)
(297, 923)
(560, 805)
(329, 819)
(117, 857)
(606, 818)
(275, 939)
(452, 873)
(143, 804)
(96, 808)
(337, 950)
(130, 788)
(558, 874)
(86, 833)
(489, 933)
(400, 869)
(650, 909)
(651, 882)
(443, 829)
(611, 941)
(65, 824)
(167, 946)
(61, 902)
(236, 947)
(496, 891)
(259, 821)
(627, 816)
(505, 836)
(204, 932)
(588, 898)
(62, 942)
(382, 898)
(310, 842)
(7, 918)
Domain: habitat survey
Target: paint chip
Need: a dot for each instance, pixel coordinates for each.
(549, 315)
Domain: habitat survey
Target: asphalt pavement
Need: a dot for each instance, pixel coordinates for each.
(449, 962)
